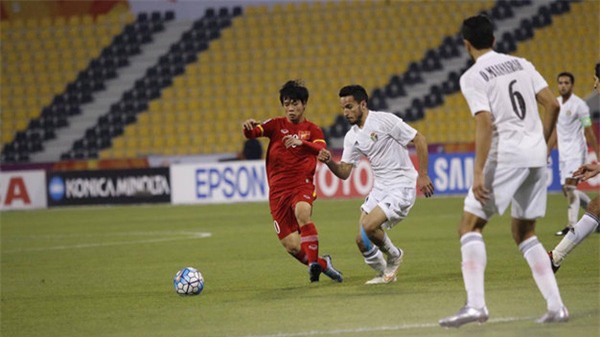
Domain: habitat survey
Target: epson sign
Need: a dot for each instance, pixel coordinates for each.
(239, 181)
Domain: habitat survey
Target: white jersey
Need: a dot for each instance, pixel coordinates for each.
(507, 86)
(383, 140)
(573, 118)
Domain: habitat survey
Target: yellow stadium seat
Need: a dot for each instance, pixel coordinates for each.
(145, 144)
(118, 143)
(232, 81)
(87, 20)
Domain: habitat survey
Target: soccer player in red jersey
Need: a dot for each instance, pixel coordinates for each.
(294, 143)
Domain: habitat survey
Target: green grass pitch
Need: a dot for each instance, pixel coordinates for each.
(107, 271)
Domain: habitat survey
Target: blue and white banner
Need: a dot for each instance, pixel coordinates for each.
(235, 181)
(452, 174)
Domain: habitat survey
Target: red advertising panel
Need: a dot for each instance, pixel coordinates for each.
(357, 185)
(23, 190)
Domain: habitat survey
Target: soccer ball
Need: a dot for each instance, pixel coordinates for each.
(188, 281)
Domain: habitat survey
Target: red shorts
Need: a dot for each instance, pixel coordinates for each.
(283, 208)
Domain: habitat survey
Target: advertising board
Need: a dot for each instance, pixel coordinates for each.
(23, 190)
(102, 187)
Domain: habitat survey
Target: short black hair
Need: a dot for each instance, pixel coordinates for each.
(479, 31)
(566, 74)
(294, 90)
(597, 70)
(358, 92)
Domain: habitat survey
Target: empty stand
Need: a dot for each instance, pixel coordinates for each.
(229, 65)
(42, 85)
(549, 47)
(327, 44)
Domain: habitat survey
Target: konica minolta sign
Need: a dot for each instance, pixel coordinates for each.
(108, 187)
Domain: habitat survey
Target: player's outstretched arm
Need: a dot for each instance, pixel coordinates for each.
(587, 171)
(249, 126)
(590, 136)
(340, 169)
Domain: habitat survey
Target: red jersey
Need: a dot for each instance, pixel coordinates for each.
(294, 166)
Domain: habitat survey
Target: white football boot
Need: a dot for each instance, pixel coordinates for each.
(391, 270)
(465, 315)
(559, 316)
(331, 272)
(379, 279)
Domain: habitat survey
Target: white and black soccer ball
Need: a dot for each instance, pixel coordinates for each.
(188, 281)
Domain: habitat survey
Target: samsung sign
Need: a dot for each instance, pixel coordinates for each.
(453, 173)
(109, 187)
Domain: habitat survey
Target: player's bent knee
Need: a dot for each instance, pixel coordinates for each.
(292, 249)
(522, 229)
(291, 243)
(303, 212)
(360, 243)
(470, 223)
(570, 194)
(594, 207)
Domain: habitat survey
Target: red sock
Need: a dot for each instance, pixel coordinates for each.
(323, 263)
(309, 242)
(300, 256)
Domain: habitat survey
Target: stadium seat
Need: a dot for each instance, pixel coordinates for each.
(232, 81)
(46, 63)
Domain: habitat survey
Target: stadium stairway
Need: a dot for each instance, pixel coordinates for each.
(462, 58)
(39, 59)
(163, 31)
(66, 104)
(425, 84)
(428, 83)
(169, 61)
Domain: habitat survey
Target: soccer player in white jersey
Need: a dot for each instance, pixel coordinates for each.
(383, 138)
(590, 220)
(502, 93)
(573, 128)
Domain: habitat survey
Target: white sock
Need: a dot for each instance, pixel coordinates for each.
(573, 210)
(374, 259)
(388, 246)
(537, 258)
(580, 231)
(584, 199)
(474, 260)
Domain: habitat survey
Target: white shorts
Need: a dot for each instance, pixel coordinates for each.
(567, 168)
(524, 187)
(395, 203)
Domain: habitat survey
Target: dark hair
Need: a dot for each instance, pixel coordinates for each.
(294, 90)
(566, 74)
(597, 70)
(358, 92)
(479, 31)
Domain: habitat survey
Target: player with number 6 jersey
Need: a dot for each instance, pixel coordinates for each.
(503, 92)
(507, 86)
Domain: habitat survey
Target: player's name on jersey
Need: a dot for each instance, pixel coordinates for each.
(500, 69)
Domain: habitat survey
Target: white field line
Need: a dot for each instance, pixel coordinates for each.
(174, 236)
(377, 328)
